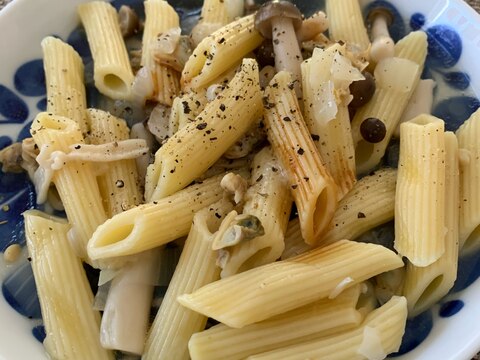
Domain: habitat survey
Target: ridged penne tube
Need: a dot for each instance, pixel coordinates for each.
(64, 81)
(269, 200)
(424, 286)
(159, 18)
(294, 243)
(468, 143)
(220, 51)
(119, 184)
(396, 79)
(247, 298)
(420, 194)
(313, 189)
(195, 269)
(379, 335)
(71, 324)
(346, 22)
(151, 225)
(324, 76)
(370, 203)
(75, 181)
(194, 148)
(111, 66)
(318, 319)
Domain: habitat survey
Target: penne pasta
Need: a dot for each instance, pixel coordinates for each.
(112, 71)
(119, 184)
(220, 51)
(195, 268)
(380, 334)
(159, 18)
(370, 203)
(420, 194)
(64, 73)
(72, 327)
(247, 298)
(424, 286)
(75, 180)
(313, 321)
(469, 152)
(151, 225)
(325, 76)
(204, 141)
(396, 79)
(312, 187)
(268, 200)
(346, 23)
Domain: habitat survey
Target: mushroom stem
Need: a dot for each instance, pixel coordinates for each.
(287, 52)
(312, 26)
(382, 43)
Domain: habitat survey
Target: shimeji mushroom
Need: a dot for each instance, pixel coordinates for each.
(380, 18)
(279, 21)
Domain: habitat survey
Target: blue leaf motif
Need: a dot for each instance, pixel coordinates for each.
(29, 79)
(5, 141)
(25, 132)
(12, 107)
(457, 80)
(455, 110)
(20, 291)
(444, 46)
(416, 330)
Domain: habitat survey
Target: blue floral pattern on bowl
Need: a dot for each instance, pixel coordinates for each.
(17, 194)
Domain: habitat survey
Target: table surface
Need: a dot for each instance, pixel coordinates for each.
(473, 3)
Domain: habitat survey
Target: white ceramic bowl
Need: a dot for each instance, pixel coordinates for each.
(24, 23)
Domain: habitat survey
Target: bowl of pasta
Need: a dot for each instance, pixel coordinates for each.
(231, 180)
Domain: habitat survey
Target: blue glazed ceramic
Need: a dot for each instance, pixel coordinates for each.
(453, 32)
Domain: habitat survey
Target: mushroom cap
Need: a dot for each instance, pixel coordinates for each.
(276, 8)
(380, 10)
(397, 27)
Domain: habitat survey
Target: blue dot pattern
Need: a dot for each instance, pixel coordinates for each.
(444, 46)
(39, 333)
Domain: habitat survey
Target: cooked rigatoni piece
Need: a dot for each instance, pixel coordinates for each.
(313, 189)
(318, 319)
(326, 77)
(420, 194)
(64, 81)
(159, 18)
(294, 243)
(111, 66)
(267, 199)
(370, 203)
(194, 148)
(215, 14)
(380, 334)
(424, 286)
(71, 324)
(119, 184)
(468, 142)
(346, 22)
(396, 79)
(75, 180)
(248, 297)
(150, 225)
(220, 51)
(195, 269)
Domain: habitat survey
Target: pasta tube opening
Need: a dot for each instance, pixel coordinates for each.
(115, 83)
(427, 293)
(47, 122)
